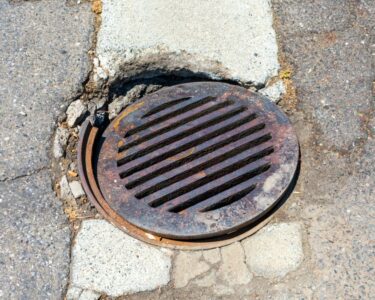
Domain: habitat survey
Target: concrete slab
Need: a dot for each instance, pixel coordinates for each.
(233, 269)
(275, 250)
(106, 260)
(183, 271)
(231, 39)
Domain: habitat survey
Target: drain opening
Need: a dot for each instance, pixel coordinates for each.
(190, 162)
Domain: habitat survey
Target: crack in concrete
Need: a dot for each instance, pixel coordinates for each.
(34, 172)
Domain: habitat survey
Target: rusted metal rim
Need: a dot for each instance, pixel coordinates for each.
(91, 136)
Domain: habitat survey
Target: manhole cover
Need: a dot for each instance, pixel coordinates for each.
(190, 162)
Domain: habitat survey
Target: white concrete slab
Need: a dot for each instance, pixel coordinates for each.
(231, 39)
(106, 260)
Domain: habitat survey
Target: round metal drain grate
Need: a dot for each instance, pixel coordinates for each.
(190, 162)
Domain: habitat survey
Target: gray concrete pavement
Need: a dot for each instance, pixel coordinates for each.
(43, 63)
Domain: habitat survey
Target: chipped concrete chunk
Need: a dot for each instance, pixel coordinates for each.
(274, 91)
(275, 250)
(187, 266)
(76, 188)
(65, 192)
(139, 36)
(89, 295)
(107, 260)
(59, 142)
(233, 269)
(75, 112)
(73, 293)
(116, 106)
(121, 102)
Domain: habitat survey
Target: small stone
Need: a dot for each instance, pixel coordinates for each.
(73, 293)
(89, 295)
(100, 103)
(187, 266)
(60, 141)
(153, 88)
(72, 173)
(136, 92)
(233, 269)
(118, 104)
(75, 112)
(107, 260)
(91, 107)
(275, 250)
(212, 256)
(76, 188)
(73, 166)
(101, 73)
(65, 192)
(274, 91)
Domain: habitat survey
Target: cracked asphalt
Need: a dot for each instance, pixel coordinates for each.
(329, 48)
(43, 63)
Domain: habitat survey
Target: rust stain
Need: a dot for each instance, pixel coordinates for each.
(126, 112)
(327, 39)
(182, 155)
(96, 7)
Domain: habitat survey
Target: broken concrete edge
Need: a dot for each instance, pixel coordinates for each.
(202, 268)
(274, 91)
(153, 64)
(287, 264)
(130, 259)
(276, 250)
(76, 293)
(195, 44)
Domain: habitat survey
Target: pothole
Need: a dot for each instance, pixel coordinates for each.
(200, 165)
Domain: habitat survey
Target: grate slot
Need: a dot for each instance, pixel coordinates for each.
(207, 148)
(204, 165)
(172, 120)
(169, 115)
(222, 188)
(216, 184)
(164, 106)
(208, 178)
(195, 142)
(175, 125)
(181, 135)
(230, 199)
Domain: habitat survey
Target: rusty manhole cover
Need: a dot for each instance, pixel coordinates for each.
(190, 163)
